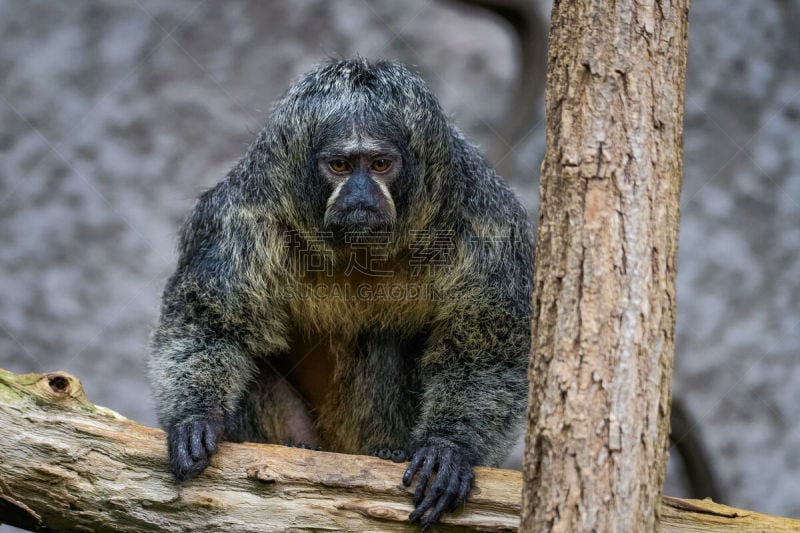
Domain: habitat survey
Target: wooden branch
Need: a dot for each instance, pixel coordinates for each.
(68, 465)
(705, 516)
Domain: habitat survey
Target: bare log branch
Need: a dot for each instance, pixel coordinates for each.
(68, 465)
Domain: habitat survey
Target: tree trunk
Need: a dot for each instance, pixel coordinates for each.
(604, 319)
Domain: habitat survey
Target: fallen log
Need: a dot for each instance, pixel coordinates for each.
(69, 465)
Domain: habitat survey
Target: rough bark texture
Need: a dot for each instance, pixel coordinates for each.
(604, 323)
(68, 465)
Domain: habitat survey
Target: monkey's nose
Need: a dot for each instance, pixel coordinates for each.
(361, 192)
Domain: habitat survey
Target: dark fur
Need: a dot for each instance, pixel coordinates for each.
(445, 377)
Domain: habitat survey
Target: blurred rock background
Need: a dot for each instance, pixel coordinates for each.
(115, 115)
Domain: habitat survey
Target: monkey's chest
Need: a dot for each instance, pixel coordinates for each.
(346, 304)
(330, 314)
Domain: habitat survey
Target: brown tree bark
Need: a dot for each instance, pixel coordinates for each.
(69, 465)
(603, 326)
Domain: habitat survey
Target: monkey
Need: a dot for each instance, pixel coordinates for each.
(359, 282)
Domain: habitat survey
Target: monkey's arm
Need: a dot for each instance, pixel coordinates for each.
(197, 381)
(474, 382)
(202, 354)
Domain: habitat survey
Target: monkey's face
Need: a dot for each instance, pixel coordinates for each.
(361, 171)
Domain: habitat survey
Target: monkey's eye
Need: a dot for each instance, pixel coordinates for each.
(339, 165)
(381, 165)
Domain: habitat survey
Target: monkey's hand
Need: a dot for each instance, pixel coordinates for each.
(454, 476)
(192, 443)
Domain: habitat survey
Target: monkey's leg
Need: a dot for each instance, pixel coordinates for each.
(275, 412)
(397, 456)
(374, 400)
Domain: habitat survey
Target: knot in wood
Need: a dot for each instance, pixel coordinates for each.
(59, 383)
(262, 473)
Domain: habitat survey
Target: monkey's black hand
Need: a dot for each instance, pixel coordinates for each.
(454, 478)
(191, 445)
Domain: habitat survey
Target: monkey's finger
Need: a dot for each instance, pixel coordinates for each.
(422, 485)
(431, 463)
(197, 448)
(447, 472)
(419, 457)
(447, 475)
(196, 467)
(435, 498)
(444, 501)
(467, 477)
(180, 462)
(210, 437)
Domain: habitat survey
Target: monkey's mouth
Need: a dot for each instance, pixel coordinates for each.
(358, 219)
